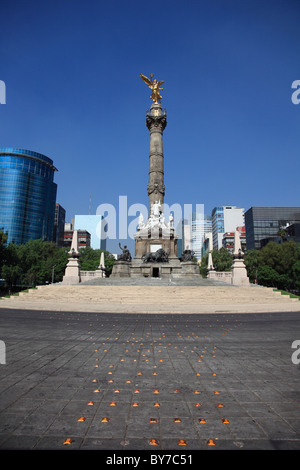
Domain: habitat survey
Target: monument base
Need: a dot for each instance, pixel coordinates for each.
(121, 269)
(156, 251)
(189, 269)
(72, 272)
(239, 273)
(141, 268)
(174, 268)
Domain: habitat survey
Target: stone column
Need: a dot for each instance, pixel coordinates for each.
(72, 271)
(101, 267)
(156, 122)
(239, 271)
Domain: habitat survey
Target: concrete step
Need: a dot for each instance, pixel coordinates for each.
(152, 298)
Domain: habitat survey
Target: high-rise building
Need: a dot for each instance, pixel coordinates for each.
(225, 219)
(201, 224)
(207, 243)
(263, 224)
(27, 195)
(180, 240)
(228, 239)
(293, 232)
(59, 225)
(84, 238)
(183, 231)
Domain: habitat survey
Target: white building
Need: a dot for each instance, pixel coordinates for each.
(207, 243)
(183, 230)
(200, 225)
(225, 219)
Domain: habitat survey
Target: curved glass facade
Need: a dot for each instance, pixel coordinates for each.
(27, 195)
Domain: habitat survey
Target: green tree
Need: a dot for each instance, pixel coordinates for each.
(271, 255)
(90, 260)
(282, 234)
(296, 275)
(267, 276)
(33, 263)
(280, 257)
(222, 261)
(3, 240)
(290, 253)
(11, 268)
(39, 262)
(203, 266)
(284, 282)
(109, 260)
(252, 262)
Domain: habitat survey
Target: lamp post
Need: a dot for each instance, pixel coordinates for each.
(53, 273)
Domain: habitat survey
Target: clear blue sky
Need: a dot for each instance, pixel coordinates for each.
(74, 93)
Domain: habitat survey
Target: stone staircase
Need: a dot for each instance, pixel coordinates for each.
(157, 297)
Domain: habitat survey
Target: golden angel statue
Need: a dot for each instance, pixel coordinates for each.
(154, 85)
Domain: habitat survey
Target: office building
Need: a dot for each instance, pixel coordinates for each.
(68, 226)
(183, 231)
(27, 195)
(207, 245)
(225, 219)
(263, 224)
(293, 232)
(228, 239)
(200, 225)
(84, 239)
(59, 225)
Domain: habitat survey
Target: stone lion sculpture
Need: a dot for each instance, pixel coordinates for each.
(160, 256)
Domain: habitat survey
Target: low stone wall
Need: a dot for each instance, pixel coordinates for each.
(224, 276)
(90, 274)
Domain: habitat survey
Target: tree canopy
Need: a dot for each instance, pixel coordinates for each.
(90, 260)
(275, 265)
(39, 262)
(222, 261)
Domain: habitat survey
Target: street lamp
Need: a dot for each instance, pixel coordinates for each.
(53, 273)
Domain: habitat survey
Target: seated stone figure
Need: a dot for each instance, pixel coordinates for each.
(187, 255)
(125, 256)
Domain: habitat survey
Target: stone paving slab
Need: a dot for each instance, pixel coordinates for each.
(149, 382)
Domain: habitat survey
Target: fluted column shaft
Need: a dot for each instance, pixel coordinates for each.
(156, 122)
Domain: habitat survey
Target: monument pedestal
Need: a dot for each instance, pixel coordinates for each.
(141, 268)
(239, 271)
(189, 269)
(156, 251)
(174, 268)
(121, 269)
(72, 272)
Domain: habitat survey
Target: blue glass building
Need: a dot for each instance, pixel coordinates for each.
(27, 195)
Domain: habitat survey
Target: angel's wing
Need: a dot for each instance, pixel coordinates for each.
(160, 82)
(146, 80)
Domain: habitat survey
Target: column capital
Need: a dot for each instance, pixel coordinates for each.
(156, 121)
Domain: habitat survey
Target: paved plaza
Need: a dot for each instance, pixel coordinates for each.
(77, 380)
